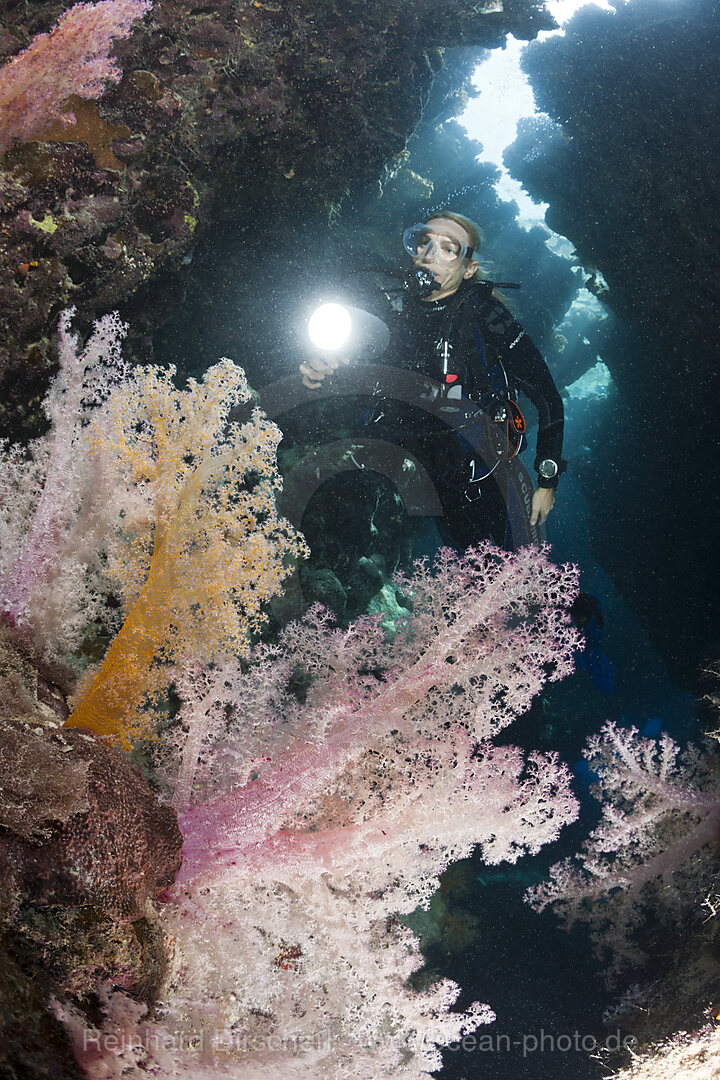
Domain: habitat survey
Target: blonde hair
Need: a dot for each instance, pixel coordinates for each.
(473, 231)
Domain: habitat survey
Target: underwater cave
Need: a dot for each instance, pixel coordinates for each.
(292, 783)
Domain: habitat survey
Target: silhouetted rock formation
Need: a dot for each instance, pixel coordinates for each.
(627, 162)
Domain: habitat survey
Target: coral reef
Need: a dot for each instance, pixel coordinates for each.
(85, 847)
(322, 782)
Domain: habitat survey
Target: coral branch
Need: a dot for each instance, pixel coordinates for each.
(64, 489)
(483, 631)
(661, 812)
(213, 550)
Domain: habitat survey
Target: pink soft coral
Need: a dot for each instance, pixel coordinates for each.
(73, 58)
(654, 845)
(60, 505)
(486, 632)
(323, 790)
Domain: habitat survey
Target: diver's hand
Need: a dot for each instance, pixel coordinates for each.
(315, 369)
(542, 503)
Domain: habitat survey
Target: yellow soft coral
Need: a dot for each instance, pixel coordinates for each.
(205, 550)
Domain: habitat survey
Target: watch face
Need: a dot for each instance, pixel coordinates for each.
(548, 469)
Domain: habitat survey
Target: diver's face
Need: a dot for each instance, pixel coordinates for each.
(442, 257)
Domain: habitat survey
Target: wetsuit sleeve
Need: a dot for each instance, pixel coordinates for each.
(532, 375)
(527, 371)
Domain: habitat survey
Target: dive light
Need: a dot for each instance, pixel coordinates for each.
(350, 331)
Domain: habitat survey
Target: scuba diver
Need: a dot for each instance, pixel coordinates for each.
(467, 358)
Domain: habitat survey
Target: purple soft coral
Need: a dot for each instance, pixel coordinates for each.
(56, 499)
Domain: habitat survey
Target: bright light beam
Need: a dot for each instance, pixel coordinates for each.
(329, 327)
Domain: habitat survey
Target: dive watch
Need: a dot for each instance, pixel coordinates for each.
(548, 469)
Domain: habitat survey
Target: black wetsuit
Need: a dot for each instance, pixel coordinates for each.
(482, 334)
(486, 351)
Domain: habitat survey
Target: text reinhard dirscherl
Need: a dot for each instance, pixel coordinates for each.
(152, 1041)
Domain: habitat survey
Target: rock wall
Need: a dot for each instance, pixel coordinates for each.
(626, 161)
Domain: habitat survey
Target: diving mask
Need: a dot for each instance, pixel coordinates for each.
(429, 245)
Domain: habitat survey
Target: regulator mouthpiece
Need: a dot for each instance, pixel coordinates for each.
(422, 281)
